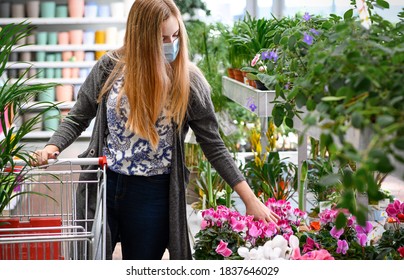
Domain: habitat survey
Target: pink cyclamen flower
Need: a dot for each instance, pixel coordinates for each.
(366, 229)
(254, 230)
(328, 216)
(321, 254)
(223, 250)
(204, 224)
(255, 60)
(362, 239)
(401, 251)
(310, 245)
(342, 247)
(395, 208)
(336, 233)
(237, 225)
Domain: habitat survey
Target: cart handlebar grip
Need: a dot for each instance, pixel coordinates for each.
(100, 161)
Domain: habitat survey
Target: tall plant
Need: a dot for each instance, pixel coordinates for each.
(14, 99)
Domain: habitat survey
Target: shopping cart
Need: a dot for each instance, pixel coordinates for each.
(48, 222)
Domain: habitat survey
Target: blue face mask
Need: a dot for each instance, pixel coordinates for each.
(171, 50)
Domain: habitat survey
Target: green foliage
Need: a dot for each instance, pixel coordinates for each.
(275, 178)
(13, 102)
(210, 238)
(338, 76)
(324, 238)
(322, 182)
(391, 240)
(214, 189)
(191, 7)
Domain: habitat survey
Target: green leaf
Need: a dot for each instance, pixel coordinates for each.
(292, 42)
(348, 14)
(333, 98)
(278, 114)
(330, 180)
(284, 41)
(383, 4)
(384, 120)
(311, 105)
(341, 220)
(301, 99)
(361, 216)
(357, 120)
(277, 38)
(399, 143)
(380, 161)
(289, 122)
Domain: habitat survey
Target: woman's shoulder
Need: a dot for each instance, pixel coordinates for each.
(108, 60)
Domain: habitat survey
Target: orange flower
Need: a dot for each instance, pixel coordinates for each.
(315, 225)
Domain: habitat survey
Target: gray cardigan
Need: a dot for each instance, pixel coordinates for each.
(200, 117)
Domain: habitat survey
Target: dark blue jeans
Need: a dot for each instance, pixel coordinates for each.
(137, 211)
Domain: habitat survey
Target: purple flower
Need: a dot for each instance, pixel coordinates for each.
(366, 229)
(362, 239)
(273, 55)
(308, 39)
(269, 55)
(265, 55)
(342, 247)
(306, 16)
(250, 104)
(336, 233)
(252, 107)
(314, 32)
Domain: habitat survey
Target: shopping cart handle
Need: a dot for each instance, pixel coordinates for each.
(100, 161)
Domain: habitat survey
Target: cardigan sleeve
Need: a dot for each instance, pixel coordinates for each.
(85, 108)
(202, 120)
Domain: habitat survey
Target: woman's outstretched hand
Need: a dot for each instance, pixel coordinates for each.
(253, 205)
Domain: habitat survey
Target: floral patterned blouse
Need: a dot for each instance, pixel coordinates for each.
(128, 153)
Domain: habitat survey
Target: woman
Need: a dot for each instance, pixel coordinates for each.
(145, 96)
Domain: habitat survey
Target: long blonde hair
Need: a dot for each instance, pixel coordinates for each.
(150, 83)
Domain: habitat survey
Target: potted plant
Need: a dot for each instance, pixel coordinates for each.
(391, 243)
(14, 101)
(268, 174)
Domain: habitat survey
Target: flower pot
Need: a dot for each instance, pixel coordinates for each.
(238, 75)
(76, 8)
(48, 9)
(252, 83)
(64, 93)
(51, 120)
(230, 73)
(33, 8)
